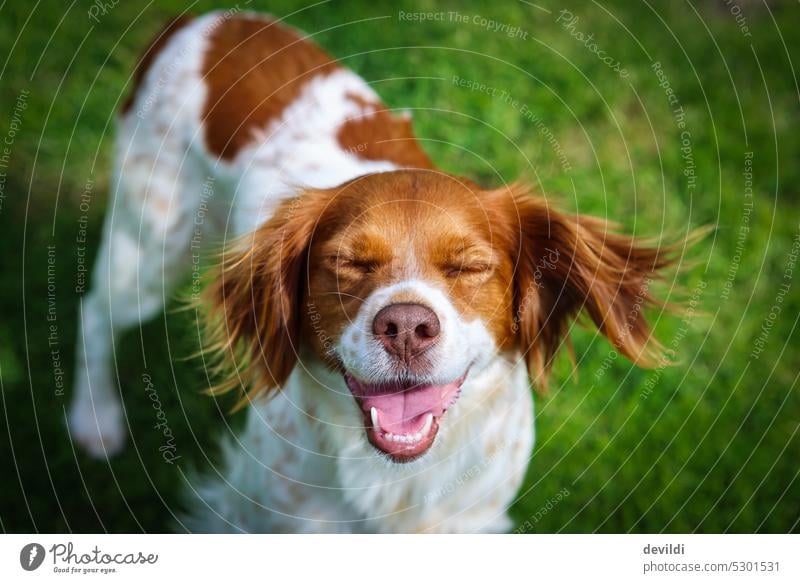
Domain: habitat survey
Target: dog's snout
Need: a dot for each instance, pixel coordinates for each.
(406, 330)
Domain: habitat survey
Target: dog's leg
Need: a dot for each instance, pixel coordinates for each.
(95, 416)
(144, 253)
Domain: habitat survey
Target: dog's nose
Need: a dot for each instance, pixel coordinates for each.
(406, 330)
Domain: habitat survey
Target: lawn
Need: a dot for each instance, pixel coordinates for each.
(663, 117)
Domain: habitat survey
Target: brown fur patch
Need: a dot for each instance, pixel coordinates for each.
(156, 45)
(254, 68)
(381, 135)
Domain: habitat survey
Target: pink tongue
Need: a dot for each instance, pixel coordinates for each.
(403, 410)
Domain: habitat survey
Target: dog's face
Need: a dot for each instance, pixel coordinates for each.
(407, 283)
(414, 293)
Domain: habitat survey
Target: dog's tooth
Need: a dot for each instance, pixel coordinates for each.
(418, 436)
(426, 428)
(373, 412)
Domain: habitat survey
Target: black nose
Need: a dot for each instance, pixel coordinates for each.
(406, 330)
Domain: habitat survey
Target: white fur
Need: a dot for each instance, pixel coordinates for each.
(302, 463)
(147, 231)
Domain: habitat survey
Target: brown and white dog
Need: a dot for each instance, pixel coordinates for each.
(387, 317)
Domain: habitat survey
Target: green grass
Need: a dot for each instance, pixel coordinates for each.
(713, 444)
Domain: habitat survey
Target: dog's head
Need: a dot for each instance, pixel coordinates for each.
(404, 284)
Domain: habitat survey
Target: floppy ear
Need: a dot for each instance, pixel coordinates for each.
(566, 264)
(254, 320)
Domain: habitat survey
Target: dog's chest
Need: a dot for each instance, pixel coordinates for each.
(308, 469)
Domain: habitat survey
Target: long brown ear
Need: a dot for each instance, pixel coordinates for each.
(568, 264)
(253, 318)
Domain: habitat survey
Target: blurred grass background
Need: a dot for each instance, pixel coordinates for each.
(710, 445)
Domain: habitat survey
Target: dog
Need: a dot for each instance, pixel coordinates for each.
(386, 318)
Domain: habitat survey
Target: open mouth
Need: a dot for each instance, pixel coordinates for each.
(401, 418)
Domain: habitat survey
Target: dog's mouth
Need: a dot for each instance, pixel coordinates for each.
(402, 418)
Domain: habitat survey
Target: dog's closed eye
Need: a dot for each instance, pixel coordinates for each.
(364, 266)
(453, 270)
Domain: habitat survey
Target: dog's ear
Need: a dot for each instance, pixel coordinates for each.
(255, 300)
(565, 264)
